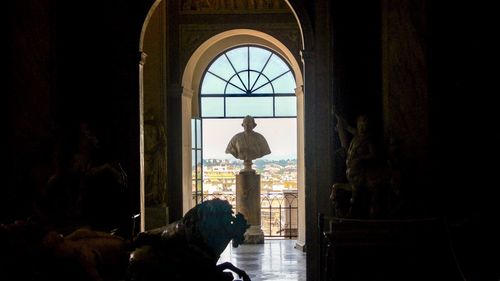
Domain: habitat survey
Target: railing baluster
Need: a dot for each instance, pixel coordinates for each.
(270, 198)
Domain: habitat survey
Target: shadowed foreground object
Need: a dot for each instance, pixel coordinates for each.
(189, 249)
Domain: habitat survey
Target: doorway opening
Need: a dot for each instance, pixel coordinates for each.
(234, 74)
(249, 80)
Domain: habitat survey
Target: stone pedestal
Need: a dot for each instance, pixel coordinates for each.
(156, 216)
(248, 203)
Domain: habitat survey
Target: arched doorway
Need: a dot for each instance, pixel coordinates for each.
(191, 80)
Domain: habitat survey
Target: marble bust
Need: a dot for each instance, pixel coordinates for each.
(248, 145)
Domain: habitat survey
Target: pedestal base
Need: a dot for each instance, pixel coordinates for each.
(156, 216)
(254, 235)
(248, 203)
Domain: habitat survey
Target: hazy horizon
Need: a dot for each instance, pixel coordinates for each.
(280, 133)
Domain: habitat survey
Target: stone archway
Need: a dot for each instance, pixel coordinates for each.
(191, 79)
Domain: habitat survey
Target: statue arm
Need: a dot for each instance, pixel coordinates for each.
(343, 128)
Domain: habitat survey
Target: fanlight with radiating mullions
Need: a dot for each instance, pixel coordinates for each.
(248, 80)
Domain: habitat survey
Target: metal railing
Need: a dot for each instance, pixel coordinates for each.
(279, 212)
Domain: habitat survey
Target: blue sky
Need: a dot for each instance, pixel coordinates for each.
(280, 133)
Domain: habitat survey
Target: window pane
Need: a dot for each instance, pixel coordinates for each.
(222, 68)
(260, 83)
(193, 133)
(285, 84)
(199, 190)
(212, 107)
(253, 78)
(266, 89)
(286, 106)
(198, 164)
(239, 58)
(198, 133)
(236, 87)
(258, 58)
(275, 67)
(212, 85)
(244, 77)
(254, 106)
(193, 163)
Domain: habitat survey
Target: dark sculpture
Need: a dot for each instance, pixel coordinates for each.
(189, 249)
(86, 189)
(368, 189)
(99, 256)
(155, 140)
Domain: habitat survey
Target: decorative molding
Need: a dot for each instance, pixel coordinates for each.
(191, 36)
(233, 6)
(142, 59)
(186, 92)
(306, 56)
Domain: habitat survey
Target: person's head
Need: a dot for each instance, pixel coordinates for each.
(248, 123)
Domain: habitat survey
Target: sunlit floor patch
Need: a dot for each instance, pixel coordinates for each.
(274, 260)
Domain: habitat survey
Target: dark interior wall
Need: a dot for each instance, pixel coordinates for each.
(97, 78)
(356, 66)
(68, 65)
(464, 130)
(405, 67)
(356, 61)
(28, 104)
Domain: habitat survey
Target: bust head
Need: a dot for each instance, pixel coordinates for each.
(248, 145)
(248, 123)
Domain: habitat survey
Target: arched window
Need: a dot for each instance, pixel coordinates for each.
(248, 80)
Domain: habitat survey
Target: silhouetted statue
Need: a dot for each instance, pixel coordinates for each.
(155, 141)
(86, 189)
(189, 249)
(367, 174)
(98, 255)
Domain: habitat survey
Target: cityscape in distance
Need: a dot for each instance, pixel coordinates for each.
(276, 175)
(279, 198)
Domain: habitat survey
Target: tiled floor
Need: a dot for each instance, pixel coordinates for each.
(275, 260)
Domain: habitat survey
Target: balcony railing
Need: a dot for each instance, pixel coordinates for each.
(279, 212)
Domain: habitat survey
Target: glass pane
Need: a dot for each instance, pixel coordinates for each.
(198, 157)
(254, 106)
(193, 186)
(275, 67)
(244, 77)
(193, 133)
(266, 89)
(212, 107)
(199, 187)
(260, 82)
(236, 87)
(285, 84)
(212, 85)
(193, 162)
(253, 78)
(222, 68)
(198, 133)
(239, 58)
(286, 106)
(258, 58)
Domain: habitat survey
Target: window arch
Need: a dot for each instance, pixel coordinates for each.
(243, 73)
